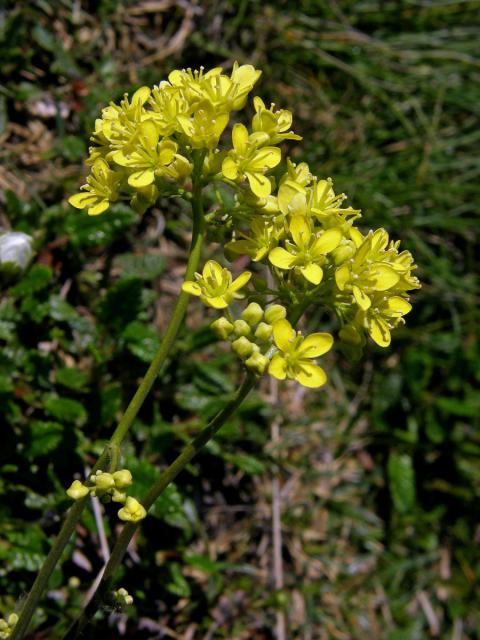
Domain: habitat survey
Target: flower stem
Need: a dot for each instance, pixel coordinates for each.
(155, 491)
(133, 408)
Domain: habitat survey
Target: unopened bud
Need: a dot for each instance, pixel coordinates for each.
(122, 478)
(243, 347)
(222, 328)
(241, 328)
(274, 313)
(253, 314)
(264, 331)
(350, 335)
(104, 481)
(77, 490)
(133, 511)
(257, 363)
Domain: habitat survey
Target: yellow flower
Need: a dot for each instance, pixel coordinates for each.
(101, 189)
(117, 128)
(374, 267)
(167, 104)
(263, 237)
(149, 158)
(222, 92)
(385, 313)
(215, 285)
(295, 354)
(132, 511)
(248, 161)
(204, 128)
(275, 124)
(327, 207)
(308, 250)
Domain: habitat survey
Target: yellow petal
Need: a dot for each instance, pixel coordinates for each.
(379, 332)
(241, 281)
(216, 302)
(328, 241)
(361, 298)
(240, 139)
(141, 95)
(300, 230)
(310, 375)
(384, 277)
(286, 192)
(120, 158)
(312, 272)
(280, 258)
(259, 184)
(230, 168)
(167, 152)
(141, 178)
(148, 135)
(342, 276)
(278, 367)
(213, 270)
(283, 334)
(83, 200)
(192, 287)
(316, 344)
(399, 305)
(356, 236)
(186, 125)
(99, 208)
(265, 157)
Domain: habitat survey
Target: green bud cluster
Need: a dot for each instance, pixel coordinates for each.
(110, 487)
(251, 334)
(122, 598)
(7, 626)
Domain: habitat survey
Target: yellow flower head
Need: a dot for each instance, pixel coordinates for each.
(247, 161)
(204, 128)
(385, 313)
(307, 251)
(101, 189)
(276, 124)
(295, 354)
(263, 237)
(150, 157)
(216, 286)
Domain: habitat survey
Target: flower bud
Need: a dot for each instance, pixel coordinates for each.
(264, 331)
(222, 328)
(122, 478)
(77, 490)
(275, 312)
(104, 481)
(122, 597)
(257, 362)
(343, 253)
(253, 314)
(350, 335)
(241, 328)
(133, 511)
(243, 347)
(119, 496)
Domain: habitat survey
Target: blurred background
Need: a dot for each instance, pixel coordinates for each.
(377, 475)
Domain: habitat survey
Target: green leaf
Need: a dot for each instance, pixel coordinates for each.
(44, 437)
(146, 266)
(35, 280)
(121, 305)
(72, 378)
(178, 585)
(141, 340)
(401, 479)
(93, 231)
(65, 409)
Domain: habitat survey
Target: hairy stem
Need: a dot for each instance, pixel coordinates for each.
(133, 408)
(156, 490)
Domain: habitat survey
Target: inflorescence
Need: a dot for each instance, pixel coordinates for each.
(294, 223)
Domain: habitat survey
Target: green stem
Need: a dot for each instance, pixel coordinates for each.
(133, 408)
(155, 491)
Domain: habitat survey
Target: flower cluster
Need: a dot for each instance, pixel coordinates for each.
(7, 626)
(279, 216)
(110, 487)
